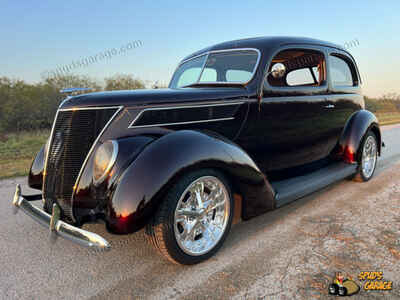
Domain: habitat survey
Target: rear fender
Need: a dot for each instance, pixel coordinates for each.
(142, 185)
(355, 129)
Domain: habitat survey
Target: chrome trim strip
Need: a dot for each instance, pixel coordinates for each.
(67, 231)
(47, 153)
(202, 68)
(221, 51)
(182, 107)
(92, 148)
(182, 123)
(90, 108)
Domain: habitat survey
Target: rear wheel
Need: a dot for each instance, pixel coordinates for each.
(342, 291)
(367, 158)
(194, 219)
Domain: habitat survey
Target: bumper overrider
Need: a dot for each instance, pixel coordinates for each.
(56, 226)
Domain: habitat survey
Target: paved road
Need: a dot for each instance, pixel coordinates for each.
(291, 253)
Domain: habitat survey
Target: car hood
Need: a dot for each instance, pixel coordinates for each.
(134, 98)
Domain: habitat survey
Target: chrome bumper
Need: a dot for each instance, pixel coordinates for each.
(58, 227)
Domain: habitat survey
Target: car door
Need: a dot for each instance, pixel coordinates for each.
(287, 128)
(344, 97)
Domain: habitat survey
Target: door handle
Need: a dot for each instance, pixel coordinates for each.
(329, 106)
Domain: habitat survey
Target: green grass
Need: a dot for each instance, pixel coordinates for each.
(17, 151)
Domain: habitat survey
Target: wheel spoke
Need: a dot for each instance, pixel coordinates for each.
(188, 232)
(218, 204)
(187, 213)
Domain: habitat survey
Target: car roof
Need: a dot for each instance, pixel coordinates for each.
(264, 42)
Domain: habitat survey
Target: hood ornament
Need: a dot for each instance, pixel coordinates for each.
(73, 91)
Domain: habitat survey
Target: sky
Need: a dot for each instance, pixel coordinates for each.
(40, 36)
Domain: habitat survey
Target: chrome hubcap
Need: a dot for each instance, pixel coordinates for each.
(369, 156)
(201, 215)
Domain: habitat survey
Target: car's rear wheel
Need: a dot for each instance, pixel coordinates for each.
(194, 219)
(367, 157)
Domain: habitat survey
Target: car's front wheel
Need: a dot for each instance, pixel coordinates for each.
(194, 219)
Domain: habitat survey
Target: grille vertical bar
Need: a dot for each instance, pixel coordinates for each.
(74, 133)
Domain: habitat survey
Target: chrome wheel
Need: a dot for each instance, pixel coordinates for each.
(201, 215)
(369, 157)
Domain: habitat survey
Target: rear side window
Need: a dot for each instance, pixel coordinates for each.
(304, 67)
(340, 72)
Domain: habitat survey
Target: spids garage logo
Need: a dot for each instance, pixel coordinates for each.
(344, 285)
(375, 281)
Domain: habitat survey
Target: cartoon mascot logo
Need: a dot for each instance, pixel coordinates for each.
(343, 286)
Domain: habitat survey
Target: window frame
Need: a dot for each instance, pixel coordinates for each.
(207, 53)
(300, 90)
(356, 87)
(310, 72)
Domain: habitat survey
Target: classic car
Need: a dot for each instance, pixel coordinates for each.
(244, 127)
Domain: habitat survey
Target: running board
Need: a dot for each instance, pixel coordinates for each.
(294, 188)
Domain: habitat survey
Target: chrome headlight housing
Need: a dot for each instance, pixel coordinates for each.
(104, 160)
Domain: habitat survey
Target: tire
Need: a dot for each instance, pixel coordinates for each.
(184, 227)
(333, 289)
(342, 291)
(367, 164)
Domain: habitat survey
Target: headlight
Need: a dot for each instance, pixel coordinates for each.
(104, 160)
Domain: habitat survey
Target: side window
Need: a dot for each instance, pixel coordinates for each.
(189, 76)
(238, 76)
(208, 75)
(304, 67)
(300, 77)
(340, 72)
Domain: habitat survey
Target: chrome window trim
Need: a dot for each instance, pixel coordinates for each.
(119, 108)
(202, 68)
(182, 107)
(207, 53)
(90, 108)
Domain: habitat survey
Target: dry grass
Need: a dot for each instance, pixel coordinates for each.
(17, 151)
(387, 118)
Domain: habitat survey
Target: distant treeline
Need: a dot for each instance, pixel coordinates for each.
(386, 103)
(25, 107)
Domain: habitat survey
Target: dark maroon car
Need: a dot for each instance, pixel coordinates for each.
(245, 127)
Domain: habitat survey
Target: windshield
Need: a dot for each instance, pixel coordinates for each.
(226, 66)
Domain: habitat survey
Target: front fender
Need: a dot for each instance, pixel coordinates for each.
(141, 187)
(35, 177)
(89, 197)
(356, 127)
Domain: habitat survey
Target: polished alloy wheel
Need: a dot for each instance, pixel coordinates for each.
(201, 215)
(369, 156)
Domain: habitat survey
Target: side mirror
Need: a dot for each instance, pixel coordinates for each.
(278, 70)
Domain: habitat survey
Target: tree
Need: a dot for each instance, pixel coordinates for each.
(123, 82)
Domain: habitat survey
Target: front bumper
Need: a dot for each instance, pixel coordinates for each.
(56, 226)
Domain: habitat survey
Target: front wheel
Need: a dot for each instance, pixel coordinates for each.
(194, 219)
(367, 157)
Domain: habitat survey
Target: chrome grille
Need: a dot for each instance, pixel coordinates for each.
(74, 133)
